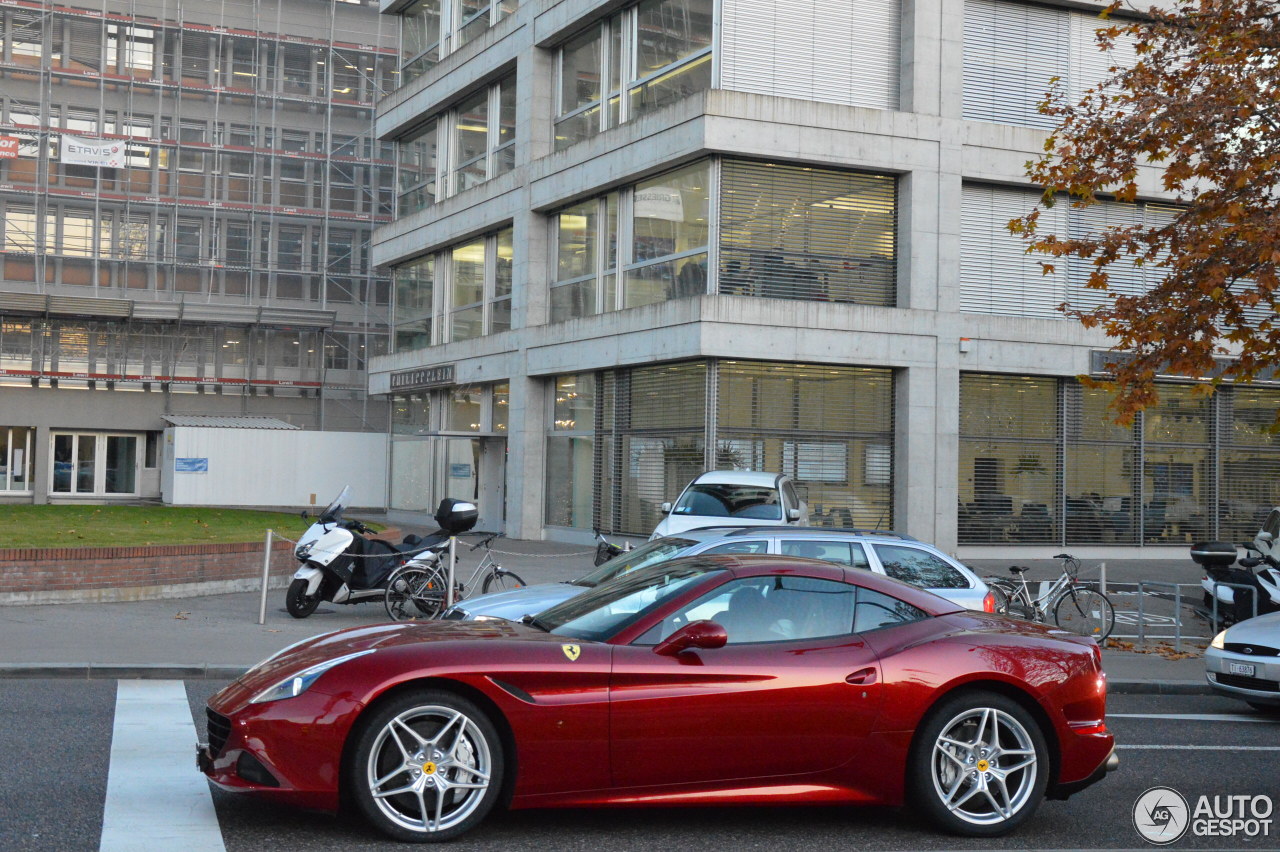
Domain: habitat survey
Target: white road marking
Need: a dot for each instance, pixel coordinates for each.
(156, 799)
(1198, 717)
(1201, 747)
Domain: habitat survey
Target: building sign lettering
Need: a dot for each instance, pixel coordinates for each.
(423, 377)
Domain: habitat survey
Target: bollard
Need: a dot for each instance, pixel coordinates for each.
(266, 571)
(1102, 578)
(453, 561)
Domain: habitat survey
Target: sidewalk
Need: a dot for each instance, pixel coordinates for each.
(218, 636)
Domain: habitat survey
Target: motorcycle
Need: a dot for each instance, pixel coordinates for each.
(1218, 558)
(341, 564)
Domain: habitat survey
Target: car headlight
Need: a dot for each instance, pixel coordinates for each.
(295, 685)
(1220, 641)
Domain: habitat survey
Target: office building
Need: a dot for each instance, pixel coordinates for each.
(639, 240)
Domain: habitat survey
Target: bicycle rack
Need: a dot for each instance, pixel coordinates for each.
(1253, 593)
(1177, 603)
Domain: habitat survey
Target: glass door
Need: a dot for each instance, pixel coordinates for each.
(87, 463)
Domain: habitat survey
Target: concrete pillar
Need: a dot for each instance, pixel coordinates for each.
(917, 485)
(526, 456)
(41, 453)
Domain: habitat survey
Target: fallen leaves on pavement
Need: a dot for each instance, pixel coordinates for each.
(182, 615)
(1161, 649)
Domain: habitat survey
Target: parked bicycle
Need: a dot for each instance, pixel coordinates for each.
(605, 549)
(1074, 607)
(418, 589)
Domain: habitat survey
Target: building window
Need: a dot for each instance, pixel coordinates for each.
(462, 147)
(997, 276)
(457, 294)
(623, 442)
(1042, 460)
(649, 55)
(16, 445)
(1013, 53)
(795, 232)
(656, 233)
(786, 232)
(432, 29)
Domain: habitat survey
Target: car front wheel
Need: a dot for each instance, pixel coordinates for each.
(979, 766)
(427, 766)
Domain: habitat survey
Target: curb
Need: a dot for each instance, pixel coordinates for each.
(1158, 687)
(116, 671)
(177, 671)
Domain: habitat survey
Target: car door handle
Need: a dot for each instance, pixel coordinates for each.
(862, 677)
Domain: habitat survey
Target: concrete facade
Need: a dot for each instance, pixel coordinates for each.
(925, 339)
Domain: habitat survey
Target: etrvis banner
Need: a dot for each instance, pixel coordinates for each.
(8, 147)
(92, 152)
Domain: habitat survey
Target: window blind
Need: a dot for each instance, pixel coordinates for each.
(841, 53)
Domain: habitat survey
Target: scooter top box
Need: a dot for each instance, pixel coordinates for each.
(1213, 554)
(456, 516)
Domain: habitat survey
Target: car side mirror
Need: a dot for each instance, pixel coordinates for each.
(793, 514)
(706, 635)
(665, 508)
(1265, 536)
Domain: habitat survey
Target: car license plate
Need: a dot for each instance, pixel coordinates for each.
(1245, 669)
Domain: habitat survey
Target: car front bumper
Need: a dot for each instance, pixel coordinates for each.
(1252, 678)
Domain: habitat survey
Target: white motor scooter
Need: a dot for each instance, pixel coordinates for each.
(1219, 561)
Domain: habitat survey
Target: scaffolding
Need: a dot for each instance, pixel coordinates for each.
(235, 227)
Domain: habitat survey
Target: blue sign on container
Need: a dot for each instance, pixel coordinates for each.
(190, 465)
(460, 471)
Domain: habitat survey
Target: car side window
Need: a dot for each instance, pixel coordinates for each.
(740, 547)
(789, 492)
(842, 552)
(919, 568)
(876, 610)
(768, 609)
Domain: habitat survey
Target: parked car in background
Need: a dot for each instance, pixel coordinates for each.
(1243, 662)
(879, 551)
(739, 497)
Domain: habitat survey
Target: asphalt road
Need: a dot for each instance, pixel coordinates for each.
(55, 750)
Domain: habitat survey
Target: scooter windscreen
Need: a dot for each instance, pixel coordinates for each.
(333, 513)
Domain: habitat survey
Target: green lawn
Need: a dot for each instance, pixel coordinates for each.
(131, 526)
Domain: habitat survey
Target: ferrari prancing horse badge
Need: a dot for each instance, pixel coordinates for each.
(572, 652)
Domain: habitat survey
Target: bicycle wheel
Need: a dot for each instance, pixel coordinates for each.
(500, 579)
(1086, 612)
(414, 593)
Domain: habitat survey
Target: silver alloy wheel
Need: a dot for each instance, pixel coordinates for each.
(429, 768)
(984, 766)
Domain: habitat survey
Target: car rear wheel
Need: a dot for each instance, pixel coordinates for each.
(979, 766)
(298, 602)
(427, 766)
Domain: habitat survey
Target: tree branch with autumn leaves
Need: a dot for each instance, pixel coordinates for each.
(1201, 104)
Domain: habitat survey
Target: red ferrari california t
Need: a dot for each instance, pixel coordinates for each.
(712, 679)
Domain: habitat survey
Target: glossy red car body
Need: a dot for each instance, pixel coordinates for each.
(818, 721)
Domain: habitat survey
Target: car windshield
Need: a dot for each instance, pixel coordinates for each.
(648, 554)
(730, 501)
(606, 609)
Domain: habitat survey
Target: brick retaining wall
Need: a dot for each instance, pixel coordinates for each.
(85, 574)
